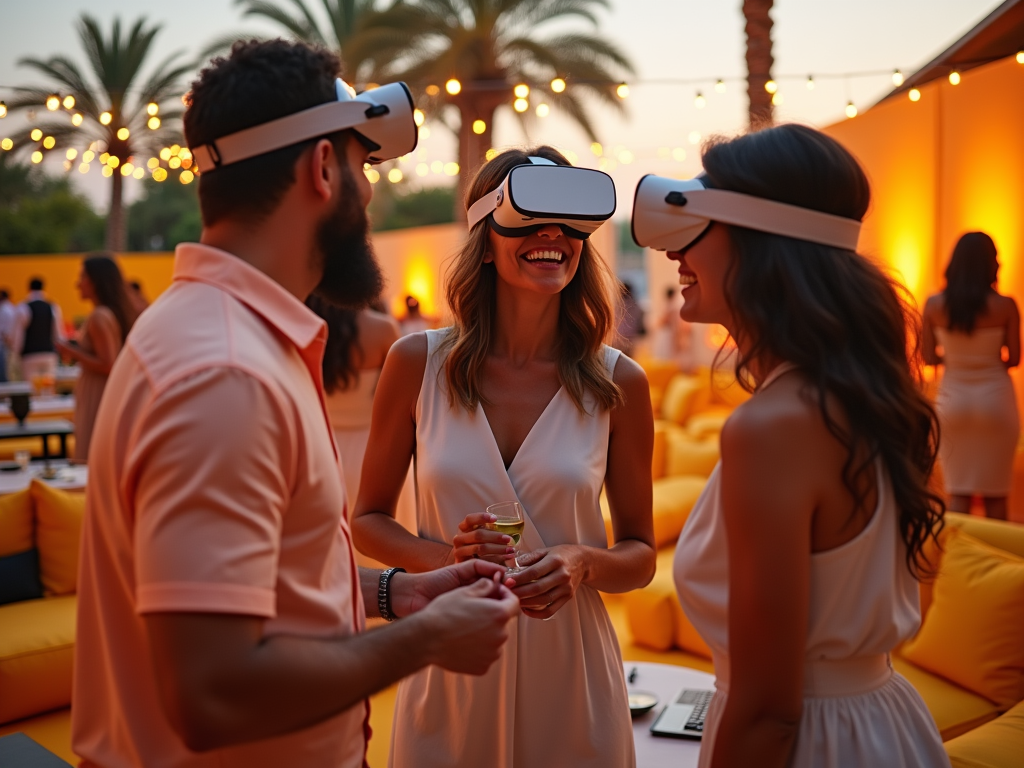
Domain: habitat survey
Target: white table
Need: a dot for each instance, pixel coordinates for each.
(664, 681)
(51, 406)
(72, 477)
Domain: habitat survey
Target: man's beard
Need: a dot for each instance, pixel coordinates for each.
(352, 276)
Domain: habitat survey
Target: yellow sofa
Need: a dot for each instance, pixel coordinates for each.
(37, 635)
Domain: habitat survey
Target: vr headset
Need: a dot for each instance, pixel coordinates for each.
(535, 195)
(669, 215)
(382, 119)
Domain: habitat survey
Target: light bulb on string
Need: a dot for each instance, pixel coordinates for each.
(810, 82)
(771, 86)
(720, 86)
(479, 127)
(521, 91)
(851, 109)
(453, 87)
(543, 110)
(152, 108)
(36, 134)
(123, 134)
(53, 102)
(69, 102)
(432, 90)
(954, 78)
(105, 118)
(914, 94)
(622, 91)
(3, 109)
(153, 123)
(777, 99)
(558, 85)
(897, 78)
(419, 116)
(1020, 60)
(76, 119)
(699, 101)
(520, 105)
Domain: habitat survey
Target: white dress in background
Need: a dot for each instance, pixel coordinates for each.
(978, 414)
(349, 411)
(857, 710)
(557, 696)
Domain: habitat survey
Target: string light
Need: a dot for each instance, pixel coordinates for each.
(596, 148)
(153, 123)
(851, 109)
(49, 142)
(720, 86)
(107, 171)
(954, 78)
(914, 94)
(1020, 60)
(3, 109)
(622, 91)
(88, 156)
(479, 127)
(694, 137)
(437, 167)
(174, 162)
(558, 85)
(69, 102)
(123, 134)
(451, 169)
(152, 108)
(6, 145)
(175, 149)
(679, 154)
(36, 134)
(186, 177)
(83, 168)
(520, 105)
(113, 161)
(543, 110)
(152, 163)
(76, 119)
(699, 101)
(771, 86)
(159, 174)
(521, 91)
(104, 157)
(432, 90)
(777, 99)
(453, 87)
(53, 102)
(372, 175)
(810, 82)
(422, 169)
(105, 118)
(71, 154)
(419, 116)
(126, 169)
(897, 78)
(37, 156)
(395, 175)
(165, 154)
(139, 172)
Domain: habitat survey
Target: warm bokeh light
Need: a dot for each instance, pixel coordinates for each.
(419, 279)
(152, 163)
(71, 154)
(432, 90)
(699, 101)
(451, 169)
(152, 108)
(771, 86)
(520, 105)
(139, 172)
(88, 156)
(126, 169)
(175, 149)
(123, 134)
(626, 157)
(851, 109)
(720, 86)
(777, 98)
(422, 169)
(558, 85)
(954, 78)
(479, 127)
(425, 132)
(159, 174)
(37, 156)
(6, 145)
(36, 134)
(694, 137)
(897, 78)
(914, 94)
(810, 82)
(49, 142)
(395, 175)
(153, 123)
(185, 154)
(1020, 60)
(490, 154)
(108, 171)
(521, 91)
(186, 177)
(419, 116)
(113, 161)
(76, 119)
(437, 167)
(453, 87)
(372, 174)
(83, 168)
(678, 154)
(622, 91)
(597, 149)
(165, 154)
(69, 102)
(105, 118)
(104, 157)
(543, 110)
(3, 109)
(53, 102)
(186, 162)
(174, 162)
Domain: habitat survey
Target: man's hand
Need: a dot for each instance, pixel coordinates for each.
(411, 592)
(467, 627)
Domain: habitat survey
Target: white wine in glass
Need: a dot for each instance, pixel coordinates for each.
(509, 521)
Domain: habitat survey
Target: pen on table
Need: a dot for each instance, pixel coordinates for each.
(632, 675)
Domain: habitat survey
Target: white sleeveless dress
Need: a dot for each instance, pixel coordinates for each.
(977, 410)
(557, 696)
(857, 711)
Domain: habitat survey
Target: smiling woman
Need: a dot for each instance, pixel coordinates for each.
(519, 401)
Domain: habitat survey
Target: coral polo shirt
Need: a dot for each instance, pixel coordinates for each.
(214, 486)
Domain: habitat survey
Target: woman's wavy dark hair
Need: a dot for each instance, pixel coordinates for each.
(972, 269)
(110, 289)
(848, 326)
(342, 354)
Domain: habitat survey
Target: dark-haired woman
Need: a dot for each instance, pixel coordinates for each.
(519, 400)
(99, 342)
(972, 323)
(798, 563)
(357, 343)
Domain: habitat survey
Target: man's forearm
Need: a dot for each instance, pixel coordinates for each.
(369, 581)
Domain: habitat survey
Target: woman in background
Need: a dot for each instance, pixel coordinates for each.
(357, 343)
(99, 342)
(972, 323)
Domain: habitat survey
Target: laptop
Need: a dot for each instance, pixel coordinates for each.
(683, 717)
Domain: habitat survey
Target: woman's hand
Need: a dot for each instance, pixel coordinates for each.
(67, 350)
(549, 579)
(474, 540)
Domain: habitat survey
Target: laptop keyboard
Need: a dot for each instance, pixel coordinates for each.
(700, 700)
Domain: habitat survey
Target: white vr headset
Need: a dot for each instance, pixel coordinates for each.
(540, 193)
(669, 215)
(382, 119)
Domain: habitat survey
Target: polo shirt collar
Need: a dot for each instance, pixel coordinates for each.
(263, 295)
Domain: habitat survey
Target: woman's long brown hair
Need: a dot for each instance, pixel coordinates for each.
(848, 326)
(585, 314)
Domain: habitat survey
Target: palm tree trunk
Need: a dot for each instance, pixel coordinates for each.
(759, 61)
(116, 230)
(473, 146)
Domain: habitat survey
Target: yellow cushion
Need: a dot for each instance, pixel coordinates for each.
(649, 611)
(680, 397)
(973, 634)
(674, 497)
(660, 443)
(725, 390)
(58, 531)
(686, 635)
(37, 640)
(659, 372)
(686, 456)
(15, 523)
(998, 744)
(954, 709)
(708, 423)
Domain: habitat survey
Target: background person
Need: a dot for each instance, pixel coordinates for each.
(40, 327)
(519, 400)
(414, 321)
(798, 564)
(8, 323)
(99, 341)
(137, 297)
(220, 610)
(977, 406)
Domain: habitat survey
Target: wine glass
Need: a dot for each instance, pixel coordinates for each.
(509, 521)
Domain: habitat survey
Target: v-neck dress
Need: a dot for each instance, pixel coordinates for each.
(557, 695)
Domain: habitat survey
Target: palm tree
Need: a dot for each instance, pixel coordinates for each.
(107, 106)
(490, 47)
(759, 61)
(351, 31)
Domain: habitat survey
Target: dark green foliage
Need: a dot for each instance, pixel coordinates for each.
(43, 214)
(166, 214)
(394, 210)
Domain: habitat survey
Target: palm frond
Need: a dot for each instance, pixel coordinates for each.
(297, 27)
(222, 45)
